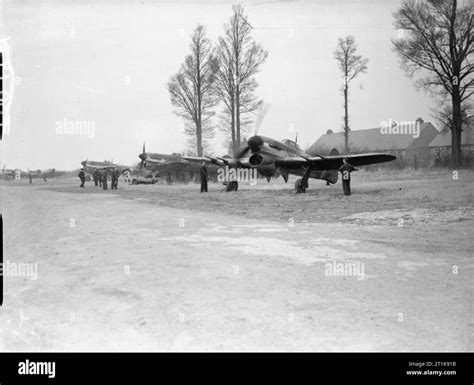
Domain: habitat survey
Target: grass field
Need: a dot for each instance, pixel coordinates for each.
(400, 191)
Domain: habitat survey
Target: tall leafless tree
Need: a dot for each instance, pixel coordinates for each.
(191, 89)
(225, 87)
(350, 65)
(239, 59)
(443, 113)
(436, 39)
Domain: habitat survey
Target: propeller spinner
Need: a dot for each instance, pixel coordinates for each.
(255, 143)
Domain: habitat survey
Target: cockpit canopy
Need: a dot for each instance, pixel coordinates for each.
(290, 143)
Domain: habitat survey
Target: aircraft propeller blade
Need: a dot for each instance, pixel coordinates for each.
(262, 111)
(242, 152)
(142, 156)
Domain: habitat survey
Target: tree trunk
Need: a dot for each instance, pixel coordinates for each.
(199, 138)
(456, 129)
(235, 146)
(237, 49)
(455, 95)
(346, 121)
(237, 116)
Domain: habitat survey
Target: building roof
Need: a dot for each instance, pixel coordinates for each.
(443, 139)
(374, 140)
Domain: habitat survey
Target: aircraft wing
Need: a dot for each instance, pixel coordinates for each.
(207, 159)
(164, 167)
(155, 161)
(333, 162)
(97, 167)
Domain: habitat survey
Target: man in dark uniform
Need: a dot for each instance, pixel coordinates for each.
(30, 178)
(112, 179)
(346, 170)
(203, 173)
(104, 179)
(96, 176)
(115, 177)
(82, 177)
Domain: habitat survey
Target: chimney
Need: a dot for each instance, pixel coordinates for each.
(419, 120)
(329, 132)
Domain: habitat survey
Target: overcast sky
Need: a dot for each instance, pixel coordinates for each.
(108, 65)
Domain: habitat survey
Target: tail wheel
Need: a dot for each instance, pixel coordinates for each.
(134, 181)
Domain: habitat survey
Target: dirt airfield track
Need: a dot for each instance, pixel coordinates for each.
(165, 268)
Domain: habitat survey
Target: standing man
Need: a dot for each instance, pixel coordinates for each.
(104, 179)
(30, 177)
(346, 170)
(96, 176)
(82, 177)
(115, 178)
(203, 173)
(112, 178)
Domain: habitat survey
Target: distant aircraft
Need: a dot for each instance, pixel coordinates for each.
(17, 173)
(91, 165)
(153, 161)
(8, 174)
(161, 164)
(44, 174)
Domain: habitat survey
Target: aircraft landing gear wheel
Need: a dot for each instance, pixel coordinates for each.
(134, 182)
(300, 189)
(232, 186)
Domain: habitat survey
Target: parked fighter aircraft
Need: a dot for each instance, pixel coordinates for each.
(153, 161)
(161, 164)
(269, 156)
(91, 165)
(8, 174)
(44, 174)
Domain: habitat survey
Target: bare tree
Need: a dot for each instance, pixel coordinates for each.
(350, 65)
(436, 38)
(191, 88)
(239, 59)
(207, 133)
(443, 113)
(225, 88)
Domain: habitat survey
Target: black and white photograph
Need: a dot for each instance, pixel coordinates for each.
(237, 176)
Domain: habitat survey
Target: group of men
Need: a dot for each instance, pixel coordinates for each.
(100, 177)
